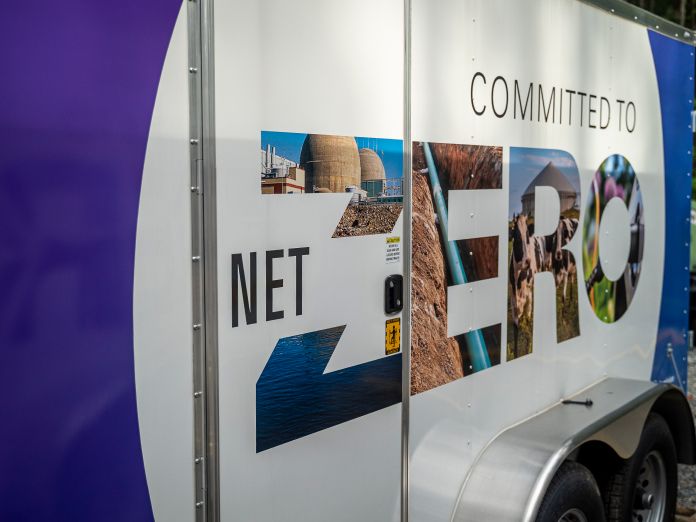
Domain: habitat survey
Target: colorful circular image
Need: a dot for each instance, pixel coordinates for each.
(615, 178)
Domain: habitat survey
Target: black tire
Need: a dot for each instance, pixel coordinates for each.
(621, 489)
(572, 488)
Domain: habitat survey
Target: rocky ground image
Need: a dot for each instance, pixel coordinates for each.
(435, 358)
(363, 219)
(686, 498)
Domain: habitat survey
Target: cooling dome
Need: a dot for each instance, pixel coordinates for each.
(330, 162)
(371, 166)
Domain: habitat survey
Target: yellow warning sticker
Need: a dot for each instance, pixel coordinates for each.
(393, 249)
(392, 336)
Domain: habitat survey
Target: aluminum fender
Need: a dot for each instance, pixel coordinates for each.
(526, 456)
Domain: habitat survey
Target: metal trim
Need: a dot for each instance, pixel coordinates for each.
(627, 11)
(406, 233)
(204, 259)
(210, 261)
(533, 449)
(197, 267)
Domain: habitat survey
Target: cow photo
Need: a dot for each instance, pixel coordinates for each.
(530, 254)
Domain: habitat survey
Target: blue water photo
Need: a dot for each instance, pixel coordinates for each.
(295, 398)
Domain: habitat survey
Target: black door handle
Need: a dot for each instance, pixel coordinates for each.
(393, 294)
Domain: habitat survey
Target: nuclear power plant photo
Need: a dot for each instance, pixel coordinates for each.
(370, 169)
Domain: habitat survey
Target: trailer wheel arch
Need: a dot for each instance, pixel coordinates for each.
(533, 450)
(673, 406)
(600, 458)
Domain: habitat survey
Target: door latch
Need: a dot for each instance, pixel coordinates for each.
(393, 294)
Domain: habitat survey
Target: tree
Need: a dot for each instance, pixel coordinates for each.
(682, 12)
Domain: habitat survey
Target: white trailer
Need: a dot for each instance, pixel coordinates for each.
(506, 342)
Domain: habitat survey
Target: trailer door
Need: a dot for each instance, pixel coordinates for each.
(309, 116)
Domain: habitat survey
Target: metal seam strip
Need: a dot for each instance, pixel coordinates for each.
(406, 341)
(210, 262)
(203, 252)
(197, 270)
(623, 9)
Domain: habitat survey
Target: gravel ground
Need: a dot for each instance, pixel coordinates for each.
(687, 474)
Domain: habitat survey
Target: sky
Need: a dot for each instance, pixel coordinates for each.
(526, 163)
(289, 145)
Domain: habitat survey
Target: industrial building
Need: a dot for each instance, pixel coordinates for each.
(280, 175)
(330, 164)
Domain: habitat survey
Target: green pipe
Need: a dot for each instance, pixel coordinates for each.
(476, 346)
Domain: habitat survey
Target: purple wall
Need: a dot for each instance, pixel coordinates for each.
(76, 97)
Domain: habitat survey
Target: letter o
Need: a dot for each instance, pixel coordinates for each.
(507, 97)
(631, 105)
(615, 178)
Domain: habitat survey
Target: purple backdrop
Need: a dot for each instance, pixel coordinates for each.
(78, 87)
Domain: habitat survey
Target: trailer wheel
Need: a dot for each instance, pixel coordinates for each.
(645, 487)
(572, 496)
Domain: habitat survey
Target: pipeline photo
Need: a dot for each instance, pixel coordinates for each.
(530, 254)
(438, 263)
(369, 169)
